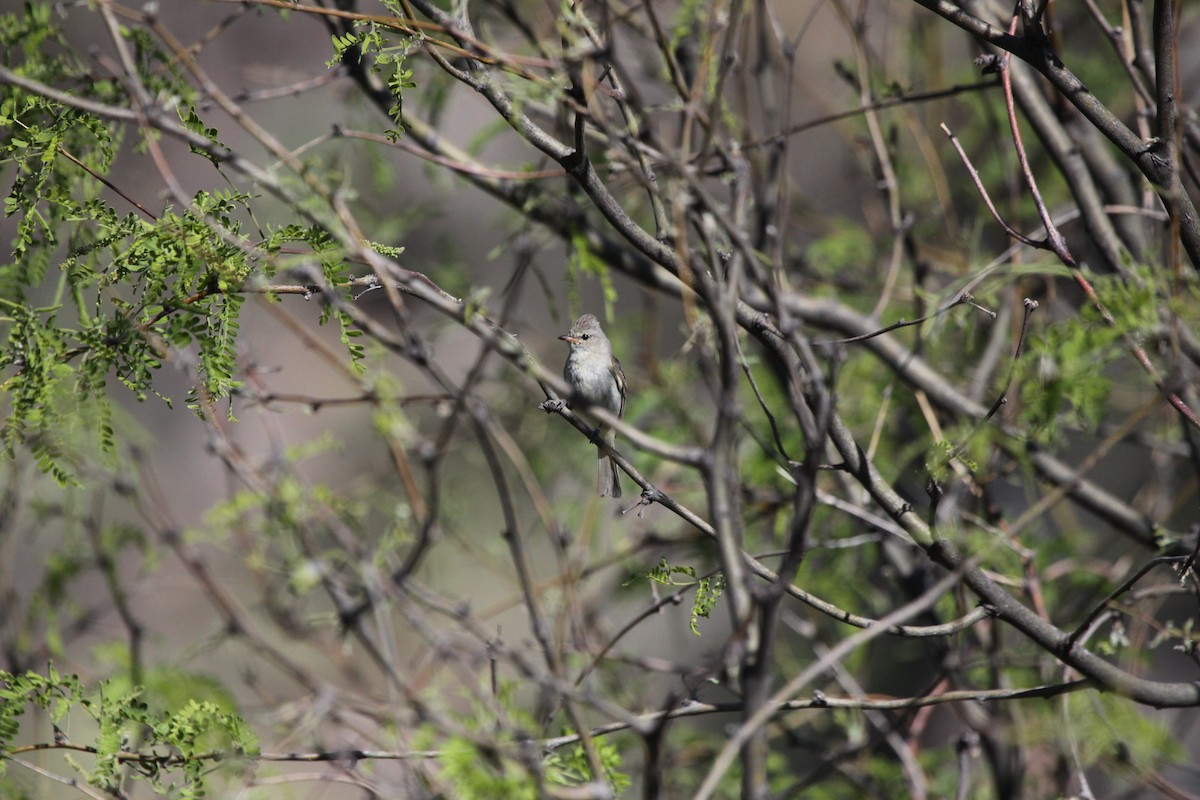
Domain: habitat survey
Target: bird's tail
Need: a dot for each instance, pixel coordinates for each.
(608, 482)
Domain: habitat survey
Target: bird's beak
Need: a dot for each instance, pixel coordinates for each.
(569, 339)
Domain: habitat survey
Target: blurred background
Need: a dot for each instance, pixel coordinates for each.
(254, 539)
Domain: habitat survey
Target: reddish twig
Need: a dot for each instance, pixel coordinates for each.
(1054, 239)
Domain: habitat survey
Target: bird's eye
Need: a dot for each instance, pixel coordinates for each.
(586, 336)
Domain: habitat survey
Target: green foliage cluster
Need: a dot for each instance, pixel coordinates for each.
(485, 766)
(482, 773)
(88, 293)
(569, 766)
(479, 774)
(1063, 378)
(370, 43)
(708, 590)
(173, 748)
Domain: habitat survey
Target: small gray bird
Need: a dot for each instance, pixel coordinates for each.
(596, 378)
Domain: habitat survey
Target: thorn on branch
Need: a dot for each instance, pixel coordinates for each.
(427, 452)
(562, 537)
(1186, 568)
(989, 63)
(369, 283)
(965, 297)
(1156, 150)
(554, 405)
(969, 299)
(573, 161)
(649, 497)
